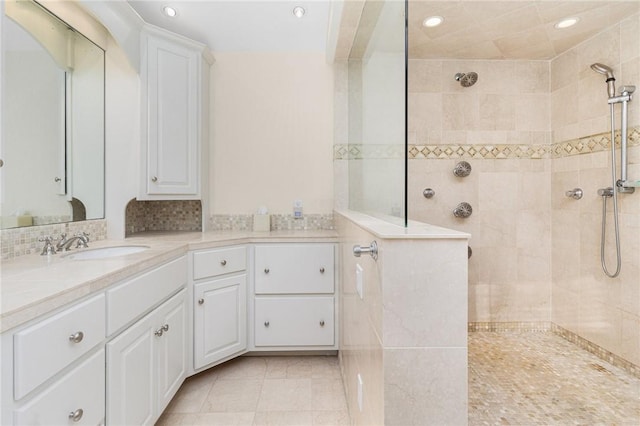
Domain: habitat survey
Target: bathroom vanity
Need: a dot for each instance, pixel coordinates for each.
(129, 329)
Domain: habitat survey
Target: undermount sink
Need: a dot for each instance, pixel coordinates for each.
(105, 252)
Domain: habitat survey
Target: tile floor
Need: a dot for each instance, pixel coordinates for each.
(538, 378)
(515, 378)
(296, 390)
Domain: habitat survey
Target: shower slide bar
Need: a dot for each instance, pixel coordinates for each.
(624, 184)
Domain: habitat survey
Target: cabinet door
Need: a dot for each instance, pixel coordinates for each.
(172, 347)
(171, 99)
(131, 388)
(220, 327)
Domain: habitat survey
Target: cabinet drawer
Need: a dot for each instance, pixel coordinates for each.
(222, 261)
(294, 268)
(83, 388)
(294, 321)
(129, 300)
(45, 348)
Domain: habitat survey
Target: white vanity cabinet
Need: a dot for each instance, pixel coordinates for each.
(57, 365)
(294, 297)
(219, 304)
(146, 364)
(174, 78)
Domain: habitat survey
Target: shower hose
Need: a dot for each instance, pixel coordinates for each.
(605, 195)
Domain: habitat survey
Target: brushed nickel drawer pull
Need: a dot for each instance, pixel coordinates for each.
(321, 323)
(76, 337)
(266, 323)
(266, 270)
(223, 262)
(76, 415)
(200, 301)
(322, 269)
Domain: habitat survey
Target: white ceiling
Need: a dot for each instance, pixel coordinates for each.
(511, 29)
(238, 25)
(473, 29)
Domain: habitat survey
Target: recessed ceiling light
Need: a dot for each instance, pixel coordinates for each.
(432, 21)
(567, 22)
(299, 11)
(169, 11)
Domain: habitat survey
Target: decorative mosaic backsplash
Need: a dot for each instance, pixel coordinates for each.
(182, 215)
(570, 336)
(22, 241)
(584, 145)
(279, 222)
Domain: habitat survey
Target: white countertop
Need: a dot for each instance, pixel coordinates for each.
(33, 285)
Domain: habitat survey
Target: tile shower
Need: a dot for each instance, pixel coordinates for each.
(532, 130)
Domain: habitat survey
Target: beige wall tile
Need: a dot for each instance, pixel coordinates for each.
(409, 402)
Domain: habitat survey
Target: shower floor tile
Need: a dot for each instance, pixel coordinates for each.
(538, 378)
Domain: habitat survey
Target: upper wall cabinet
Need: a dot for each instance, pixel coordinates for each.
(174, 76)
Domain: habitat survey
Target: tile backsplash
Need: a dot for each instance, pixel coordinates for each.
(22, 241)
(180, 215)
(279, 222)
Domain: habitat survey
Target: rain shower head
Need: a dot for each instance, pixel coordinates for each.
(608, 72)
(466, 79)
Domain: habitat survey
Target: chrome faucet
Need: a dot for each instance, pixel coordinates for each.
(81, 239)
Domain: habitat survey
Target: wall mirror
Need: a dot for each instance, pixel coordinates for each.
(52, 146)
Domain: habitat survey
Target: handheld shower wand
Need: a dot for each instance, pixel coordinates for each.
(608, 72)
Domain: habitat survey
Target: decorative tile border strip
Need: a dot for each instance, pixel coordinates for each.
(570, 336)
(279, 222)
(22, 241)
(596, 350)
(509, 326)
(584, 145)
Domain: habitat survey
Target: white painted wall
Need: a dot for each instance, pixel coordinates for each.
(271, 132)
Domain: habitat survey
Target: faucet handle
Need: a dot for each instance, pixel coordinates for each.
(48, 247)
(83, 239)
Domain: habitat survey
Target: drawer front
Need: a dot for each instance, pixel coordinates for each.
(211, 263)
(129, 300)
(294, 268)
(294, 321)
(45, 348)
(81, 391)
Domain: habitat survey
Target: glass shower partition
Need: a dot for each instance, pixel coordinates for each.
(377, 113)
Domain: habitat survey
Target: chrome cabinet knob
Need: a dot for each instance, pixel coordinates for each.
(57, 179)
(154, 179)
(322, 269)
(76, 415)
(76, 337)
(266, 323)
(159, 332)
(266, 270)
(321, 323)
(223, 262)
(200, 301)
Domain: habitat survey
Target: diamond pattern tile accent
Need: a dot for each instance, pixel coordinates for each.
(583, 145)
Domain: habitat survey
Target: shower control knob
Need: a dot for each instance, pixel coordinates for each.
(428, 193)
(575, 193)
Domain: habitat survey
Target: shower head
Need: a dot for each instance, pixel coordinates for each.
(466, 80)
(608, 72)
